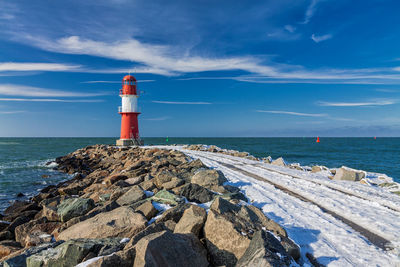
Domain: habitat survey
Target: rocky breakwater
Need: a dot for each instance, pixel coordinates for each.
(140, 207)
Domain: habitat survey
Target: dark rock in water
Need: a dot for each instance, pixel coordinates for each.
(20, 260)
(196, 193)
(20, 194)
(21, 206)
(45, 176)
(72, 252)
(264, 250)
(165, 249)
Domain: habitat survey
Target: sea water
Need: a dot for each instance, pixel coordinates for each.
(23, 161)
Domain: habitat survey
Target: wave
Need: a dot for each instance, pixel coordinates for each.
(27, 164)
(9, 143)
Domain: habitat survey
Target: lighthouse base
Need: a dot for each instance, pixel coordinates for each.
(129, 142)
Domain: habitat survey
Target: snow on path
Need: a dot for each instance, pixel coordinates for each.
(330, 240)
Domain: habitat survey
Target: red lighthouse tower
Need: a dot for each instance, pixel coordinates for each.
(129, 113)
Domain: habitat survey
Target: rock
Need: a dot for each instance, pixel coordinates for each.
(208, 178)
(124, 258)
(7, 247)
(165, 249)
(3, 225)
(20, 206)
(174, 214)
(226, 244)
(132, 196)
(264, 250)
(279, 162)
(267, 159)
(35, 232)
(229, 229)
(114, 178)
(315, 169)
(72, 252)
(147, 209)
(192, 221)
(291, 248)
(348, 174)
(166, 197)
(196, 193)
(17, 222)
(163, 177)
(6, 235)
(134, 180)
(175, 182)
(120, 222)
(74, 207)
(147, 185)
(20, 194)
(19, 260)
(151, 229)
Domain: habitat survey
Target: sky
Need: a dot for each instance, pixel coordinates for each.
(204, 68)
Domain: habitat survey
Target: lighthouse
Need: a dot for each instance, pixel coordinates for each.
(129, 113)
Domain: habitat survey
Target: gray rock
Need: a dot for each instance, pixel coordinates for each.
(208, 178)
(147, 209)
(74, 207)
(166, 197)
(132, 196)
(348, 174)
(264, 250)
(20, 260)
(165, 249)
(72, 252)
(196, 193)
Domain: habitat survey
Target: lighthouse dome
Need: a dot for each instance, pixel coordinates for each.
(129, 78)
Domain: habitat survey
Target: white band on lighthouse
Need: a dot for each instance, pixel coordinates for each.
(129, 103)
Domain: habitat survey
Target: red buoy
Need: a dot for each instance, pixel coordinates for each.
(129, 113)
(317, 140)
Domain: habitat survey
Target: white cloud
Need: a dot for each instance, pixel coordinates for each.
(157, 119)
(357, 104)
(181, 103)
(139, 81)
(31, 66)
(292, 113)
(12, 112)
(22, 90)
(290, 28)
(51, 100)
(311, 9)
(321, 38)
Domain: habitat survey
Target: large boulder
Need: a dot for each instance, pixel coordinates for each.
(120, 222)
(35, 232)
(165, 249)
(264, 250)
(208, 178)
(229, 228)
(348, 174)
(196, 193)
(19, 260)
(73, 252)
(74, 207)
(132, 196)
(192, 221)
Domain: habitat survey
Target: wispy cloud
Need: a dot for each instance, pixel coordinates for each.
(157, 119)
(321, 38)
(357, 104)
(181, 103)
(139, 81)
(292, 113)
(290, 28)
(51, 100)
(22, 90)
(32, 66)
(12, 112)
(312, 7)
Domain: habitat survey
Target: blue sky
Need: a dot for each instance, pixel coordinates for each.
(206, 68)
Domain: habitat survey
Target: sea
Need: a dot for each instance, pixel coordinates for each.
(24, 168)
